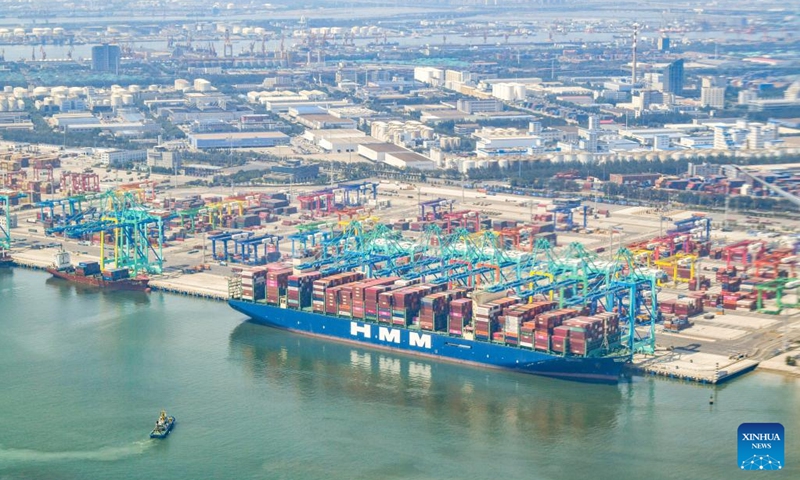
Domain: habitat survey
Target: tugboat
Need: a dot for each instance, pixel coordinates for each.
(163, 426)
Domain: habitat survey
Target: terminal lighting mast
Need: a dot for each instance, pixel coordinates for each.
(633, 70)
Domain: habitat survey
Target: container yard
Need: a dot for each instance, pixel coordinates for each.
(562, 276)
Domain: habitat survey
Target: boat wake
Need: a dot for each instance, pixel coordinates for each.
(104, 454)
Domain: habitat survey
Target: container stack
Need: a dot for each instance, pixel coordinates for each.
(277, 282)
(585, 334)
(406, 303)
(254, 284)
(434, 311)
(345, 300)
(319, 295)
(487, 317)
(362, 296)
(610, 326)
(299, 288)
(546, 324)
(688, 306)
(88, 268)
(385, 302)
(115, 274)
(460, 315)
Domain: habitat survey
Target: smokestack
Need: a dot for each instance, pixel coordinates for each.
(633, 70)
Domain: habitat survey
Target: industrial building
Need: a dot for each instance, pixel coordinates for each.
(409, 159)
(161, 157)
(202, 141)
(117, 157)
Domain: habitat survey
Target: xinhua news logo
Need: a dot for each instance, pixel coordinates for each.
(761, 446)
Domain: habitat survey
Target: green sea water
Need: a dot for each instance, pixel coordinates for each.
(85, 373)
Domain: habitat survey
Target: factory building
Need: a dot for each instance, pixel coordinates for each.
(409, 159)
(117, 157)
(160, 157)
(202, 141)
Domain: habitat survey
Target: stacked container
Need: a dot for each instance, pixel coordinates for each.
(299, 288)
(585, 334)
(486, 317)
(546, 324)
(434, 311)
(319, 296)
(254, 283)
(365, 298)
(88, 268)
(460, 315)
(406, 303)
(277, 282)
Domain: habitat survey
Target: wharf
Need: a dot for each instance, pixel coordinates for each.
(778, 363)
(693, 366)
(204, 285)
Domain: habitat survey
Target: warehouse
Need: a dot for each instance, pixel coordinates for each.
(202, 141)
(409, 159)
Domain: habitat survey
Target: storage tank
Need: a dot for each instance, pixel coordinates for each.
(19, 32)
(134, 88)
(116, 100)
(21, 92)
(467, 165)
(503, 164)
(153, 88)
(127, 99)
(373, 30)
(336, 30)
(247, 31)
(58, 31)
(181, 84)
(40, 91)
(236, 29)
(59, 91)
(8, 89)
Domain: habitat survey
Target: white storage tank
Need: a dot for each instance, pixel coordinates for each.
(19, 32)
(127, 99)
(181, 84)
(40, 91)
(134, 88)
(116, 100)
(8, 89)
(58, 31)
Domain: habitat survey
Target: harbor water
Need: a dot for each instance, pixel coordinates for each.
(85, 374)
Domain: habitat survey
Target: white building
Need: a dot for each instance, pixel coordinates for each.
(510, 92)
(117, 157)
(161, 157)
(202, 85)
(429, 75)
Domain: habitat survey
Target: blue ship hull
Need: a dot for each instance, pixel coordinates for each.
(435, 345)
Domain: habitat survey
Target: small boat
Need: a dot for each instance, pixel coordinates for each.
(163, 426)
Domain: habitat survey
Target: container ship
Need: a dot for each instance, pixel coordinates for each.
(529, 335)
(89, 273)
